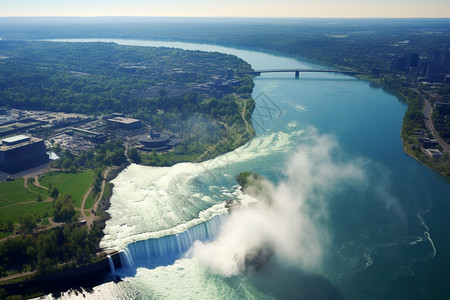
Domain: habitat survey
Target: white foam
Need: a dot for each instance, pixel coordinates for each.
(427, 232)
(150, 202)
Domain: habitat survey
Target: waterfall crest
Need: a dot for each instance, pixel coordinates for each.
(111, 264)
(169, 248)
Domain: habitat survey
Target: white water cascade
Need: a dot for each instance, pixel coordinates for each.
(171, 247)
(111, 264)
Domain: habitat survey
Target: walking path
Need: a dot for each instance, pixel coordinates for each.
(83, 203)
(36, 183)
(17, 275)
(212, 148)
(92, 217)
(244, 111)
(105, 175)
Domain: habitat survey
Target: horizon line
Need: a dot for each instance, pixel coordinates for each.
(223, 17)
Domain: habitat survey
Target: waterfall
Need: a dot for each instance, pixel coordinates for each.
(169, 247)
(111, 264)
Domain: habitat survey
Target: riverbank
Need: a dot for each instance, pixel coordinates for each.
(32, 284)
(416, 125)
(408, 182)
(69, 276)
(84, 277)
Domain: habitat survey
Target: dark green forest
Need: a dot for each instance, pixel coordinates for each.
(155, 85)
(102, 77)
(46, 252)
(152, 84)
(355, 43)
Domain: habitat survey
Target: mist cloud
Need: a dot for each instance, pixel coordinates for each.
(290, 218)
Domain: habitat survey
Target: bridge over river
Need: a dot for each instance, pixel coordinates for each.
(298, 71)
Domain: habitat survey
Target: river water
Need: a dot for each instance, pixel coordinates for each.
(349, 214)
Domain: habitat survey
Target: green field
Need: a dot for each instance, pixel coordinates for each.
(75, 185)
(14, 192)
(17, 201)
(43, 192)
(16, 211)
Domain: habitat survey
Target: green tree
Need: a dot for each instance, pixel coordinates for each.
(54, 193)
(27, 224)
(9, 225)
(57, 148)
(64, 208)
(67, 163)
(133, 154)
(118, 157)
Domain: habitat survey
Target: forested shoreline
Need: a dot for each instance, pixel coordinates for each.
(155, 85)
(105, 78)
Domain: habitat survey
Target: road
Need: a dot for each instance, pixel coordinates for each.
(428, 111)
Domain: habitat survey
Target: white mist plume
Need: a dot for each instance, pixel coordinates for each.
(293, 223)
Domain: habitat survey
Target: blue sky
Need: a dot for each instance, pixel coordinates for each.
(229, 8)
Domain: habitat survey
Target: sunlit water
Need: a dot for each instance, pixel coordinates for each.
(355, 217)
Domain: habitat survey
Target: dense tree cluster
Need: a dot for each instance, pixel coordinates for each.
(45, 251)
(64, 208)
(413, 118)
(100, 77)
(6, 225)
(369, 43)
(105, 77)
(111, 153)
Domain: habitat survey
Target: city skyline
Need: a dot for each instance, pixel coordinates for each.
(232, 8)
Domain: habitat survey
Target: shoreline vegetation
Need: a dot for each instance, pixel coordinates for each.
(347, 52)
(397, 51)
(64, 237)
(414, 125)
(400, 54)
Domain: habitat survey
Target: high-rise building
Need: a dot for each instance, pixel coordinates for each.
(437, 57)
(446, 58)
(412, 60)
(21, 152)
(436, 73)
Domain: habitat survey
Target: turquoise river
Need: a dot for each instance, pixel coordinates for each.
(349, 215)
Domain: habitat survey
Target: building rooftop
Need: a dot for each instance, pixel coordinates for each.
(433, 153)
(17, 142)
(123, 120)
(15, 139)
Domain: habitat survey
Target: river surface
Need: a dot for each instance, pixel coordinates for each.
(347, 214)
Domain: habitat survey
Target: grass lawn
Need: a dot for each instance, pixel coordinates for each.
(13, 192)
(75, 185)
(90, 200)
(14, 196)
(43, 192)
(4, 234)
(16, 211)
(45, 222)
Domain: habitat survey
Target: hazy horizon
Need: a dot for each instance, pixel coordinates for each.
(232, 8)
